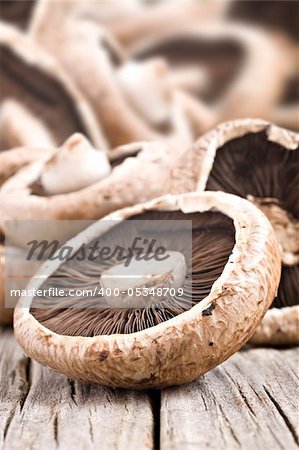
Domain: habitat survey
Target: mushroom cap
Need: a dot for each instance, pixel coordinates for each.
(23, 58)
(10, 162)
(128, 20)
(124, 186)
(239, 59)
(279, 327)
(96, 77)
(180, 349)
(193, 171)
(13, 160)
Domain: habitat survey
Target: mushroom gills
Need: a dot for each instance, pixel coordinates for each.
(213, 238)
(267, 174)
(143, 273)
(42, 95)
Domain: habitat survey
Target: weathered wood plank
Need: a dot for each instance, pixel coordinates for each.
(250, 402)
(41, 409)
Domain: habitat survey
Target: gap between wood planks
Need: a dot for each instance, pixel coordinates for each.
(249, 402)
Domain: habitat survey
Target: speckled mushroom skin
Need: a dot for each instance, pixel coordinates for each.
(181, 349)
(191, 174)
(25, 48)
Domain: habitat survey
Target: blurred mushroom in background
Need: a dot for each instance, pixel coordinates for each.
(217, 66)
(130, 20)
(39, 104)
(127, 110)
(280, 20)
(238, 63)
(259, 161)
(78, 182)
(17, 12)
(276, 16)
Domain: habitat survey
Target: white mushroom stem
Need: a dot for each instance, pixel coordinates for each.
(138, 280)
(74, 166)
(147, 88)
(20, 128)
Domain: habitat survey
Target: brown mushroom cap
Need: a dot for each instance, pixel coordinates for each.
(124, 186)
(41, 93)
(182, 348)
(258, 161)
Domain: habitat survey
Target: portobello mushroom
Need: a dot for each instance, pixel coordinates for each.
(40, 192)
(39, 104)
(10, 162)
(226, 66)
(146, 109)
(259, 161)
(227, 288)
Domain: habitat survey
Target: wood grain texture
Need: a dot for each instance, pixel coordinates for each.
(249, 402)
(41, 409)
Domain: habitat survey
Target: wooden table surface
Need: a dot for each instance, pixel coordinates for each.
(249, 402)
